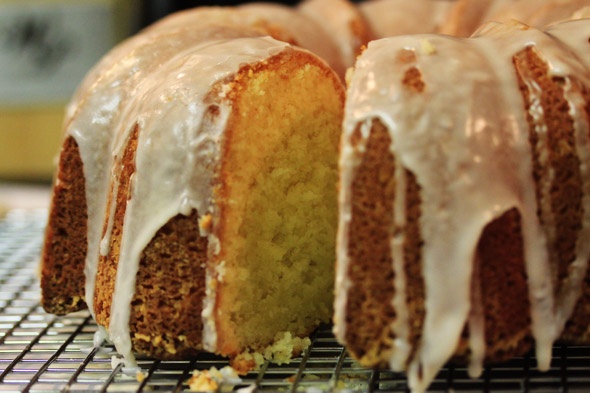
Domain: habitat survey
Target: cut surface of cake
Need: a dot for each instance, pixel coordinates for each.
(197, 187)
(464, 229)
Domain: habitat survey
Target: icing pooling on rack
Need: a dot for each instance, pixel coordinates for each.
(471, 86)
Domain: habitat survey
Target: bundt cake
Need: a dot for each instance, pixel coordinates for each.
(195, 203)
(196, 188)
(464, 202)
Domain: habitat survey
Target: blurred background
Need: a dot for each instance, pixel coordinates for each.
(46, 48)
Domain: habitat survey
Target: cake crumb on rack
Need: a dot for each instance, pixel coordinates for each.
(214, 380)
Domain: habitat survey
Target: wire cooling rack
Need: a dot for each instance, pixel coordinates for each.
(44, 353)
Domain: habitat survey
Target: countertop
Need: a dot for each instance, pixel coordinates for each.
(17, 195)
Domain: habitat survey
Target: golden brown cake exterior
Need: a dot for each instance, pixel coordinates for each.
(465, 199)
(167, 304)
(169, 288)
(64, 251)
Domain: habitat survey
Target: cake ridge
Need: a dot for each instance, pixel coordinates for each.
(494, 163)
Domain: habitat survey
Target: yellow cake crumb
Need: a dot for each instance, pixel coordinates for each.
(348, 75)
(202, 381)
(213, 380)
(427, 47)
(205, 224)
(140, 376)
(284, 347)
(281, 351)
(143, 337)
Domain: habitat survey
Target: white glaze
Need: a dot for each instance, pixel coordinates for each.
(471, 86)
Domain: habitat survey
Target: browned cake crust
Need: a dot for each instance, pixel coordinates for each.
(360, 28)
(371, 268)
(166, 308)
(501, 278)
(501, 271)
(165, 318)
(64, 250)
(465, 16)
(577, 329)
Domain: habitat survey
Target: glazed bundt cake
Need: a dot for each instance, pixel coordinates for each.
(464, 204)
(196, 188)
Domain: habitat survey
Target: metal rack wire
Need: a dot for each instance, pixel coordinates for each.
(44, 353)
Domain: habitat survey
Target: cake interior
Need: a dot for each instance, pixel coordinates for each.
(277, 266)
